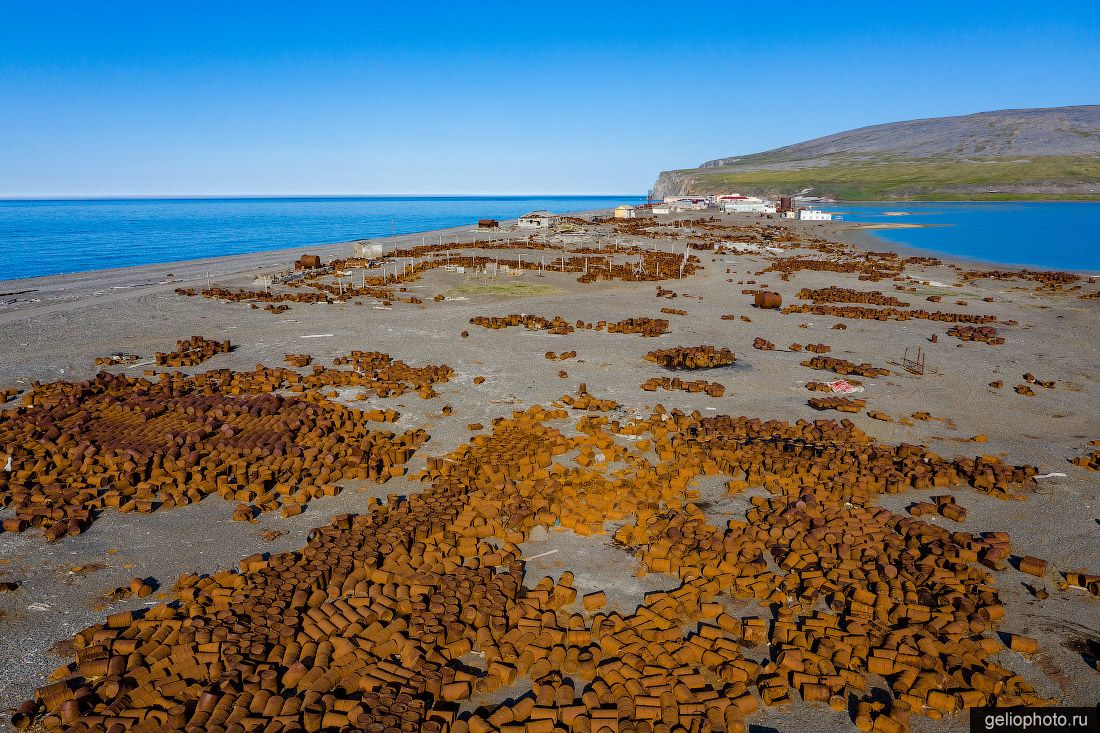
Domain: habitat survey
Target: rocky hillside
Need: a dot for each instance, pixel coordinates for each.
(1024, 153)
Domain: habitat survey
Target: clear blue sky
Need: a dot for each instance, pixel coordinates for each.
(115, 98)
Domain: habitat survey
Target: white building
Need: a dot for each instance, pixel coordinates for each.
(686, 200)
(676, 206)
(735, 204)
(625, 212)
(814, 215)
(538, 220)
(367, 249)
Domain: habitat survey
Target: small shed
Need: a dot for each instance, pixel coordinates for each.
(368, 249)
(307, 262)
(487, 223)
(625, 212)
(538, 220)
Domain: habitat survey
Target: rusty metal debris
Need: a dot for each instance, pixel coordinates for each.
(691, 357)
(78, 448)
(364, 625)
(914, 364)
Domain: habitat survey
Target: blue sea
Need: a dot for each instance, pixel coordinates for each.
(52, 237)
(1051, 235)
(63, 236)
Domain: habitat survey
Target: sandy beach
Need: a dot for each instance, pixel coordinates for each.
(53, 328)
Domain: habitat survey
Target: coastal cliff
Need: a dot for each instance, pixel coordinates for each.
(1048, 153)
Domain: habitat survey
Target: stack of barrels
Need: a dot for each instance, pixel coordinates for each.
(691, 357)
(845, 367)
(192, 351)
(840, 404)
(714, 389)
(986, 334)
(117, 442)
(762, 344)
(649, 327)
(886, 314)
(365, 627)
(834, 294)
(586, 401)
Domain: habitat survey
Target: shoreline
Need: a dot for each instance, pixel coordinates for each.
(241, 263)
(244, 262)
(116, 246)
(967, 201)
(308, 197)
(95, 287)
(90, 287)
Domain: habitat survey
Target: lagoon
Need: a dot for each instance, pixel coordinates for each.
(1054, 235)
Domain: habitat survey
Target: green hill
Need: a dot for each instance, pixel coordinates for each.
(1013, 154)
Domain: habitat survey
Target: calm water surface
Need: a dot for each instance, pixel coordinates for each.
(1054, 235)
(52, 237)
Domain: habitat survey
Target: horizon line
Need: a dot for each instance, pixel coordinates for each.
(204, 196)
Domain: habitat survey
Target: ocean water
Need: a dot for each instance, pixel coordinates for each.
(1051, 235)
(52, 237)
(64, 236)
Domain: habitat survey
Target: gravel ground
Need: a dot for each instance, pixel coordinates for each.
(58, 330)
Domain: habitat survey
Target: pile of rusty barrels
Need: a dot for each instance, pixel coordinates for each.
(298, 360)
(530, 322)
(985, 334)
(691, 357)
(367, 626)
(845, 367)
(762, 344)
(128, 444)
(192, 351)
(840, 404)
(1091, 460)
(834, 294)
(647, 327)
(585, 401)
(714, 389)
(886, 314)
